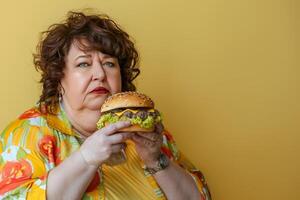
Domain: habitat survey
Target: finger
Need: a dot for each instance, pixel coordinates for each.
(127, 135)
(143, 141)
(150, 136)
(119, 137)
(112, 128)
(118, 147)
(159, 128)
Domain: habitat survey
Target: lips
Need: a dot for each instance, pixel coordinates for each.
(100, 90)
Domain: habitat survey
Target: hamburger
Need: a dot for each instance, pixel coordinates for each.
(130, 106)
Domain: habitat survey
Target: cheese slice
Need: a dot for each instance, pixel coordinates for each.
(119, 114)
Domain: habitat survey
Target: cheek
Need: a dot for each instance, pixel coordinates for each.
(75, 88)
(115, 82)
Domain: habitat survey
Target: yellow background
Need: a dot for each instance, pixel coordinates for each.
(225, 74)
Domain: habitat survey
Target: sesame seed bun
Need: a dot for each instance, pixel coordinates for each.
(127, 100)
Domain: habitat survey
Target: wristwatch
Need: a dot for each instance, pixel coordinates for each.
(162, 163)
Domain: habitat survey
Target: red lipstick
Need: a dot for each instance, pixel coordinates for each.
(99, 90)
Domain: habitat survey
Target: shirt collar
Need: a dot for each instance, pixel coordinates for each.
(59, 121)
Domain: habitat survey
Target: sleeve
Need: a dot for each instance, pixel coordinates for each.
(170, 149)
(23, 168)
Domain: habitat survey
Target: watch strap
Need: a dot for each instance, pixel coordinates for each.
(162, 163)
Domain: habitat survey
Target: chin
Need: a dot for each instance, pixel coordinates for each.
(96, 103)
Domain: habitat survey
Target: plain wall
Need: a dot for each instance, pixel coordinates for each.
(225, 75)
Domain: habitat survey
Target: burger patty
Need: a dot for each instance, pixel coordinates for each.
(142, 113)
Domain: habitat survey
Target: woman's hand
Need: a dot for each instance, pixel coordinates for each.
(148, 145)
(98, 147)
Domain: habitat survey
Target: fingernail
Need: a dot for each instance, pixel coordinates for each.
(127, 122)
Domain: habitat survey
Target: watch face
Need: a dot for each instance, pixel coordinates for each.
(163, 161)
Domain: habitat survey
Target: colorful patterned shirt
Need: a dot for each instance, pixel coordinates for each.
(36, 142)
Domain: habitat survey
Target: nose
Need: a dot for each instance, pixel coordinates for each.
(98, 71)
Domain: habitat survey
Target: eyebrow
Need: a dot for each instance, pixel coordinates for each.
(105, 56)
(82, 56)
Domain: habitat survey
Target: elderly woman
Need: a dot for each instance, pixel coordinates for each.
(54, 149)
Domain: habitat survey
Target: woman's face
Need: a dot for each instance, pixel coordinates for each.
(89, 78)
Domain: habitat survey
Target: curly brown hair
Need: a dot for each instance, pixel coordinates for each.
(101, 33)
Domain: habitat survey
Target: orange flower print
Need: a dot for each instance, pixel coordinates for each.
(14, 174)
(167, 152)
(57, 156)
(33, 112)
(94, 183)
(47, 146)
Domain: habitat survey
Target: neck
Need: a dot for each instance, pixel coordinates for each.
(83, 120)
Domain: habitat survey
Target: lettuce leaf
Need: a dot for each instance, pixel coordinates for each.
(149, 122)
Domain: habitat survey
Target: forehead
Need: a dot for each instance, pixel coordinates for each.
(82, 47)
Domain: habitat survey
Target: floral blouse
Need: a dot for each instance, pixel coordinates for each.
(36, 142)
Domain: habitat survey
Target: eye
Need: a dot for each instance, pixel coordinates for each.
(83, 64)
(109, 64)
